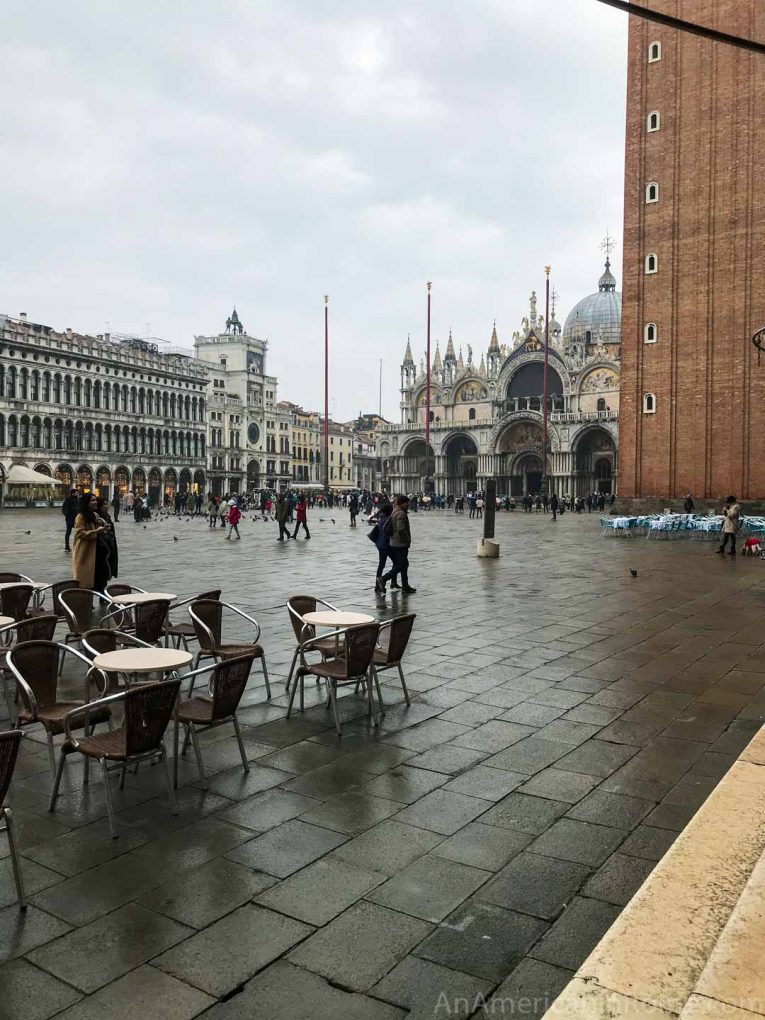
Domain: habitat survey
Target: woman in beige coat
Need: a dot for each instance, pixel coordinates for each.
(90, 564)
(731, 525)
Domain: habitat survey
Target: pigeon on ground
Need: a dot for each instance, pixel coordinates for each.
(27, 532)
(633, 571)
(175, 538)
(332, 519)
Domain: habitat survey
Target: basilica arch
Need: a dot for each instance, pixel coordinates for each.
(459, 458)
(595, 461)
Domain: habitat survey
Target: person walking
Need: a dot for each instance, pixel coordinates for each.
(689, 505)
(383, 545)
(137, 507)
(116, 504)
(301, 512)
(400, 537)
(129, 501)
(90, 564)
(70, 509)
(281, 516)
(731, 525)
(234, 516)
(554, 506)
(353, 509)
(479, 506)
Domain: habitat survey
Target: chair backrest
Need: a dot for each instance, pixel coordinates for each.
(298, 606)
(210, 613)
(213, 595)
(8, 577)
(148, 708)
(79, 602)
(101, 640)
(15, 601)
(360, 643)
(118, 589)
(35, 628)
(227, 683)
(150, 619)
(56, 590)
(10, 741)
(37, 664)
(398, 634)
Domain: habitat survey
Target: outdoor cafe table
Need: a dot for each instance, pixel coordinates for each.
(135, 598)
(6, 621)
(336, 618)
(132, 661)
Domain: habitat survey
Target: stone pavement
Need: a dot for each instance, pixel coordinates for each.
(567, 721)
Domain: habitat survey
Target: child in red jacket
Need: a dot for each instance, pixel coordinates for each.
(234, 516)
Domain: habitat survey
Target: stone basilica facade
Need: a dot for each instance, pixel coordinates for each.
(486, 418)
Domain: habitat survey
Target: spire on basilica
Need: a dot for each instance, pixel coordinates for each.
(460, 362)
(482, 367)
(450, 349)
(408, 359)
(494, 342)
(437, 363)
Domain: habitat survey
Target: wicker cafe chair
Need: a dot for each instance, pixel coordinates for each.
(105, 639)
(15, 601)
(148, 709)
(228, 680)
(56, 589)
(355, 665)
(207, 618)
(178, 632)
(391, 645)
(35, 666)
(144, 619)
(9, 577)
(34, 628)
(77, 604)
(297, 607)
(113, 590)
(10, 741)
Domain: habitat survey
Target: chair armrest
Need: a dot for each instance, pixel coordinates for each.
(246, 616)
(323, 602)
(90, 706)
(28, 693)
(309, 645)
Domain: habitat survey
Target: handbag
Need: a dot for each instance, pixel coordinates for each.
(374, 534)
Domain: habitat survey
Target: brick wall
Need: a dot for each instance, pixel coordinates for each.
(708, 231)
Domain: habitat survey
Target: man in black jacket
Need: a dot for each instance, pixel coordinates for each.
(69, 510)
(400, 537)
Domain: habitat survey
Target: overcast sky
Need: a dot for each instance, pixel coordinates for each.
(162, 161)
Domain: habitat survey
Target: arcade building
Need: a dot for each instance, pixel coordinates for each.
(486, 419)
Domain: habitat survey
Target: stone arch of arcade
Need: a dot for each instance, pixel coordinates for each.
(459, 464)
(595, 461)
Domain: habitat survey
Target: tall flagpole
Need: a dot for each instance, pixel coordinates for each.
(326, 394)
(427, 398)
(544, 398)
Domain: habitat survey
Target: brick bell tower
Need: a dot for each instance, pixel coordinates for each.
(692, 412)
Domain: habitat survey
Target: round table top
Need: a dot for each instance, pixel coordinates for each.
(142, 596)
(142, 660)
(6, 621)
(35, 584)
(336, 618)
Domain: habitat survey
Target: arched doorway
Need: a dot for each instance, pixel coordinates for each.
(185, 481)
(84, 478)
(171, 484)
(121, 479)
(199, 481)
(253, 476)
(595, 459)
(42, 469)
(139, 481)
(103, 481)
(417, 466)
(65, 475)
(461, 455)
(519, 455)
(155, 486)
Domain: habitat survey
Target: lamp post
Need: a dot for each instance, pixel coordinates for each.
(544, 395)
(427, 398)
(326, 395)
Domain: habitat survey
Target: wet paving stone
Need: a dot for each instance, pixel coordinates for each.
(31, 994)
(562, 731)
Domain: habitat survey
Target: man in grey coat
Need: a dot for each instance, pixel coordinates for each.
(400, 537)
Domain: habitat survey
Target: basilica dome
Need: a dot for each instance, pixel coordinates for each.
(599, 314)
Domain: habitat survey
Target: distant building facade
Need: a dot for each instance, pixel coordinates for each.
(101, 412)
(487, 418)
(693, 392)
(306, 443)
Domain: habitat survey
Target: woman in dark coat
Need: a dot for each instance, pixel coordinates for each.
(383, 542)
(109, 538)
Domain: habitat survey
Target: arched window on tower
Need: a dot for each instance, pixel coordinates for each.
(654, 52)
(471, 414)
(649, 403)
(650, 333)
(654, 121)
(651, 263)
(651, 192)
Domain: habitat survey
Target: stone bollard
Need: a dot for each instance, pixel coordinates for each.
(488, 546)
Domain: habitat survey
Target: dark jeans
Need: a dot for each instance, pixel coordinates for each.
(400, 568)
(305, 528)
(729, 535)
(383, 555)
(283, 530)
(116, 511)
(69, 526)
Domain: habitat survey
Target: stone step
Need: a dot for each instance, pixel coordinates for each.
(689, 915)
